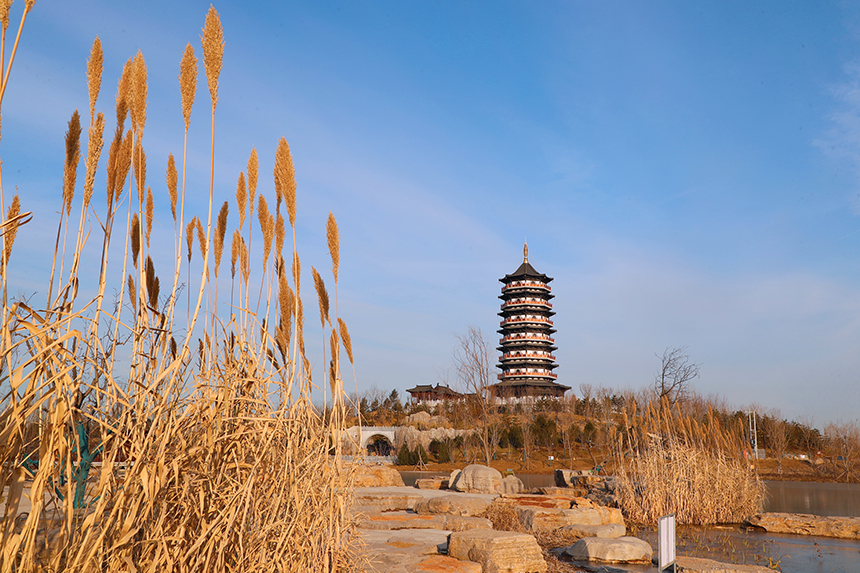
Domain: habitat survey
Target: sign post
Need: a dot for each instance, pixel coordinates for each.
(666, 543)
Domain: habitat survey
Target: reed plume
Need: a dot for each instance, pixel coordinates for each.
(152, 284)
(285, 178)
(253, 169)
(134, 235)
(189, 236)
(188, 82)
(344, 335)
(150, 211)
(213, 52)
(235, 247)
(333, 237)
(220, 233)
(322, 297)
(12, 229)
(241, 199)
(138, 93)
(266, 227)
(201, 237)
(95, 143)
(139, 169)
(132, 292)
(5, 6)
(279, 234)
(73, 155)
(172, 177)
(94, 75)
(243, 260)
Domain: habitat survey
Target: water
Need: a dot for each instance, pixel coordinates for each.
(792, 553)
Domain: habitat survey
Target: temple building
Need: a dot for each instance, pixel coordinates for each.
(427, 394)
(527, 361)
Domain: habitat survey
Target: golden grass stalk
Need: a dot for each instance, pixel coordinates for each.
(253, 170)
(344, 335)
(266, 227)
(322, 297)
(219, 464)
(138, 93)
(213, 52)
(150, 213)
(171, 177)
(134, 235)
(188, 82)
(235, 248)
(94, 75)
(73, 156)
(241, 199)
(11, 231)
(333, 237)
(5, 6)
(285, 178)
(201, 238)
(279, 234)
(220, 233)
(189, 237)
(95, 143)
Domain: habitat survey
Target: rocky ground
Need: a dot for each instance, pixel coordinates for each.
(475, 521)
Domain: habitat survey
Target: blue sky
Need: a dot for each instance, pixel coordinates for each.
(688, 172)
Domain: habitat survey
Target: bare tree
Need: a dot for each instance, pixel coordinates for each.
(777, 435)
(676, 374)
(472, 362)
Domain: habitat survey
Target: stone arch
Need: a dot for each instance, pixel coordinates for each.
(379, 445)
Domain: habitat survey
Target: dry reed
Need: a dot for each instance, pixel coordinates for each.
(670, 462)
(212, 459)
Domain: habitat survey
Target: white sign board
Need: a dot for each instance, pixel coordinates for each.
(666, 541)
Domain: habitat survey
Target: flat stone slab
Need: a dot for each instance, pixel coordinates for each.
(805, 524)
(443, 564)
(498, 551)
(608, 531)
(541, 519)
(369, 500)
(462, 504)
(431, 483)
(537, 501)
(396, 520)
(621, 550)
(698, 565)
(417, 541)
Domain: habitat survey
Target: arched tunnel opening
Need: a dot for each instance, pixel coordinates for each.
(379, 445)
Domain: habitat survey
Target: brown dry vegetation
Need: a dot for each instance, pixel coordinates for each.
(212, 456)
(670, 462)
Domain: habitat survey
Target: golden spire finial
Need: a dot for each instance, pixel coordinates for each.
(525, 251)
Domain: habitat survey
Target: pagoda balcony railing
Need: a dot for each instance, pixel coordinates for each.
(542, 355)
(512, 320)
(520, 284)
(530, 336)
(526, 301)
(512, 373)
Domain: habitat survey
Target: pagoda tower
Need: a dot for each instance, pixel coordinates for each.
(527, 361)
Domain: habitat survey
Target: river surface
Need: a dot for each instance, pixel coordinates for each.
(791, 553)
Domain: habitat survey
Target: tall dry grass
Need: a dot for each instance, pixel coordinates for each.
(672, 462)
(212, 455)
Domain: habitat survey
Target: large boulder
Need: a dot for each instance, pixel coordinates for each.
(621, 550)
(804, 524)
(498, 551)
(376, 500)
(512, 485)
(476, 478)
(377, 476)
(452, 505)
(431, 483)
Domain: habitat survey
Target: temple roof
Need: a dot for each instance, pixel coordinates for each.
(525, 270)
(530, 382)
